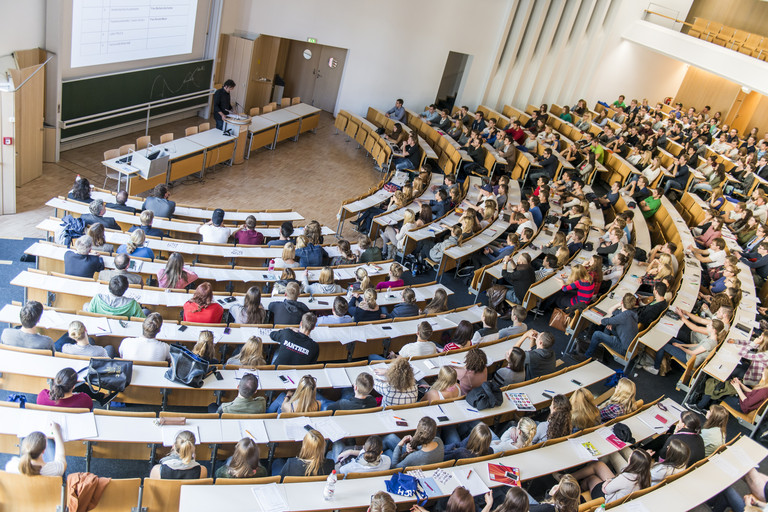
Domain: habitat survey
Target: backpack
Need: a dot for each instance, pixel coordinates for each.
(486, 396)
(70, 228)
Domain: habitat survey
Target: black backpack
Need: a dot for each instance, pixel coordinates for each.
(486, 396)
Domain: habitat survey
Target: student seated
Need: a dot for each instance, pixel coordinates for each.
(514, 371)
(175, 274)
(31, 462)
(421, 347)
(246, 401)
(27, 336)
(516, 437)
(325, 285)
(699, 348)
(158, 203)
(396, 383)
(146, 347)
(474, 372)
(445, 386)
(81, 190)
(309, 254)
(370, 252)
(114, 302)
(563, 497)
(290, 310)
(488, 332)
(201, 308)
(558, 423)
(61, 392)
(518, 277)
(302, 399)
(96, 232)
(135, 246)
(296, 347)
(121, 269)
(369, 458)
(286, 231)
(250, 355)
(213, 232)
(364, 310)
(584, 412)
(96, 215)
(518, 315)
(339, 313)
(311, 460)
(406, 308)
(438, 304)
(76, 342)
(346, 256)
(621, 327)
(146, 218)
(120, 199)
(204, 348)
(598, 478)
(180, 464)
(80, 262)
(477, 444)
(244, 462)
(461, 336)
(540, 359)
(395, 279)
(422, 448)
(359, 399)
(246, 234)
(621, 402)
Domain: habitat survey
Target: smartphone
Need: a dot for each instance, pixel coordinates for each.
(323, 302)
(308, 428)
(227, 330)
(218, 376)
(230, 299)
(547, 395)
(442, 418)
(511, 476)
(182, 328)
(576, 382)
(386, 327)
(123, 323)
(283, 378)
(401, 423)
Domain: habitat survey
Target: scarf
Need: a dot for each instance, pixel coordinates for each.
(173, 461)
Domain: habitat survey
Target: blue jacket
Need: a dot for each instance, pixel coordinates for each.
(310, 256)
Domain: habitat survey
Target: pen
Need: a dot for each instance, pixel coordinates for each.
(397, 418)
(441, 409)
(469, 474)
(472, 410)
(251, 435)
(290, 379)
(550, 391)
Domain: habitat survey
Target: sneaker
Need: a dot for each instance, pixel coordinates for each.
(652, 370)
(695, 408)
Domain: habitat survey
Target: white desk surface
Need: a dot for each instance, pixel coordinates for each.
(154, 377)
(143, 430)
(172, 225)
(179, 148)
(495, 154)
(395, 216)
(356, 492)
(451, 219)
(206, 213)
(52, 319)
(210, 138)
(702, 483)
(282, 116)
(259, 123)
(147, 297)
(56, 252)
(377, 197)
(302, 110)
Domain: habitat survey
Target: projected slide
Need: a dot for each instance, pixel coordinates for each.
(107, 31)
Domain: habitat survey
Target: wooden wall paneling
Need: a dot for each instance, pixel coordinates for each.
(263, 65)
(746, 112)
(701, 88)
(749, 15)
(759, 116)
(221, 59)
(28, 132)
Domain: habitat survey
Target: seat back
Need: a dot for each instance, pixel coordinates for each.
(21, 493)
(143, 142)
(248, 481)
(203, 127)
(164, 495)
(254, 112)
(124, 150)
(190, 131)
(120, 495)
(111, 153)
(166, 137)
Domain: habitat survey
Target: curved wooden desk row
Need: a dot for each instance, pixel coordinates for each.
(50, 257)
(389, 218)
(205, 214)
(365, 134)
(181, 228)
(208, 253)
(368, 338)
(29, 370)
(114, 428)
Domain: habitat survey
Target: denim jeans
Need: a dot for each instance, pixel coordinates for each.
(277, 403)
(680, 185)
(389, 443)
(607, 339)
(672, 351)
(512, 297)
(403, 163)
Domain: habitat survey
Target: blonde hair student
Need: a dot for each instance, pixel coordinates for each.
(621, 402)
(180, 464)
(31, 463)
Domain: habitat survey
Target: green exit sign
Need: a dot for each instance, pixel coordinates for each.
(312, 40)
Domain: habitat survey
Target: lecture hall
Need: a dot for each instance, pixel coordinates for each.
(302, 255)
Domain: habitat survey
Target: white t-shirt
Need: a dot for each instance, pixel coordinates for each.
(143, 349)
(717, 257)
(55, 468)
(418, 348)
(215, 234)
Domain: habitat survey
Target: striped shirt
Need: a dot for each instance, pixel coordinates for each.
(758, 363)
(584, 291)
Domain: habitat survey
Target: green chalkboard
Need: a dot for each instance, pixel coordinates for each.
(94, 95)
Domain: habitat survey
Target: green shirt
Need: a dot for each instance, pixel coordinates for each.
(653, 205)
(617, 104)
(599, 153)
(223, 472)
(566, 117)
(240, 405)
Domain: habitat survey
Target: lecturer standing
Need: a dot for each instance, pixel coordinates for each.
(222, 103)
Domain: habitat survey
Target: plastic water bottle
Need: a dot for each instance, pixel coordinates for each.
(272, 264)
(330, 486)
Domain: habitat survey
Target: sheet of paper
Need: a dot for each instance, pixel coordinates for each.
(169, 433)
(338, 377)
(241, 372)
(75, 426)
(471, 481)
(294, 428)
(446, 480)
(581, 450)
(254, 429)
(270, 498)
(330, 428)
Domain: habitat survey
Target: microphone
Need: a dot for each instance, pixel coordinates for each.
(241, 107)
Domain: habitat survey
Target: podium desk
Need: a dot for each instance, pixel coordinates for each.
(288, 125)
(310, 116)
(218, 147)
(261, 132)
(239, 126)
